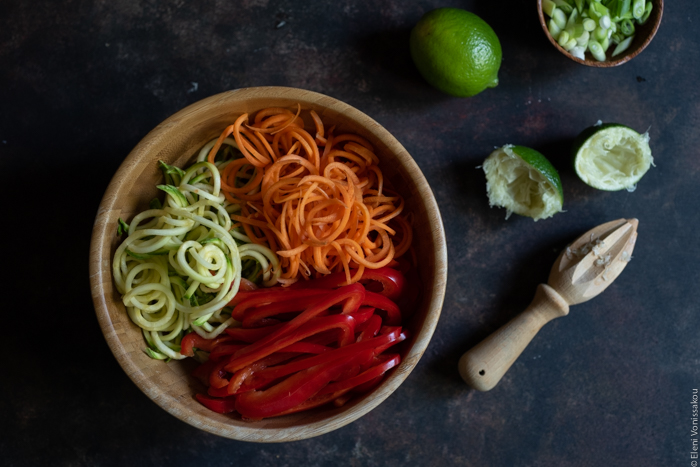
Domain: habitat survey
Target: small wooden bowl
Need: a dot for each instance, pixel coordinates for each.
(644, 34)
(175, 141)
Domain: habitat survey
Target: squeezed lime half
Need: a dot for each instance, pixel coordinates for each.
(524, 182)
(612, 157)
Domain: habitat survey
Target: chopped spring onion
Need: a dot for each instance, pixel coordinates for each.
(605, 22)
(627, 27)
(600, 34)
(583, 38)
(647, 13)
(563, 38)
(559, 18)
(638, 8)
(622, 46)
(564, 6)
(554, 30)
(548, 6)
(596, 50)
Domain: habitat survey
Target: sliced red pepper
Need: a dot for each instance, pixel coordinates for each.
(218, 392)
(369, 328)
(255, 316)
(251, 335)
(260, 297)
(241, 375)
(216, 378)
(194, 340)
(345, 323)
(307, 347)
(352, 297)
(403, 335)
(272, 373)
(393, 314)
(223, 350)
(386, 362)
(363, 314)
(392, 281)
(369, 385)
(313, 402)
(217, 405)
(294, 390)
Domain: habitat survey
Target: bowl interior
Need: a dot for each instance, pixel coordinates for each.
(643, 36)
(176, 141)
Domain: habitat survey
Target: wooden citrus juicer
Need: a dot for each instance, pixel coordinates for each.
(582, 271)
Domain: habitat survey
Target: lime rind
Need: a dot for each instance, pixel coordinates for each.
(612, 157)
(524, 182)
(456, 51)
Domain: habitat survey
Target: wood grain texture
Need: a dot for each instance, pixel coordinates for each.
(175, 141)
(583, 271)
(643, 36)
(483, 366)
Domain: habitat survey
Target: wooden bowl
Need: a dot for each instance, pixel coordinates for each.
(643, 36)
(175, 141)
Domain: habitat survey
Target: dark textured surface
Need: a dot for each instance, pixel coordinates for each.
(82, 81)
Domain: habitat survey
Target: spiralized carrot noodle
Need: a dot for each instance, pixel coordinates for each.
(317, 198)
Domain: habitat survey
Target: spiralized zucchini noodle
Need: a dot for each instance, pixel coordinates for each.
(183, 260)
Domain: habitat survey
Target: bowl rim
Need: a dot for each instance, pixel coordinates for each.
(101, 275)
(659, 6)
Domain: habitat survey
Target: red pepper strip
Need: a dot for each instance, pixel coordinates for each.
(294, 390)
(218, 392)
(216, 376)
(223, 350)
(307, 347)
(245, 294)
(270, 374)
(393, 314)
(403, 335)
(265, 297)
(366, 387)
(345, 323)
(315, 401)
(363, 314)
(194, 340)
(352, 295)
(217, 405)
(275, 359)
(251, 335)
(203, 371)
(369, 329)
(241, 375)
(391, 280)
(325, 338)
(254, 317)
(386, 363)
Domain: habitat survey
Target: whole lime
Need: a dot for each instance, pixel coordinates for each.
(456, 51)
